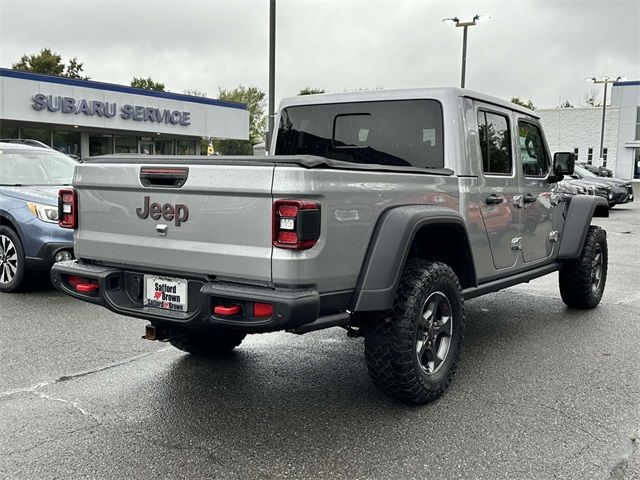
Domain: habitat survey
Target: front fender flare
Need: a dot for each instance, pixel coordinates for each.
(580, 211)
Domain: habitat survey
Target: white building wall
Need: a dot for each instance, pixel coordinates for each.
(569, 128)
(627, 96)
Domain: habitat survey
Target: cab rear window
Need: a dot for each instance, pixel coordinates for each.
(399, 133)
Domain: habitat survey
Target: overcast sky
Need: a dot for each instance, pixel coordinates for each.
(535, 49)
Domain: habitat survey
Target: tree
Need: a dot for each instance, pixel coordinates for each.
(147, 84)
(310, 91)
(591, 98)
(74, 69)
(50, 63)
(254, 99)
(195, 93)
(528, 104)
(566, 104)
(364, 89)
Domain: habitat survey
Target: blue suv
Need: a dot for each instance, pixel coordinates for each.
(30, 238)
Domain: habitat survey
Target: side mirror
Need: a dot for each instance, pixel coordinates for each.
(563, 164)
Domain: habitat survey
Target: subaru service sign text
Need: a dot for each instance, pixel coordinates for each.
(137, 113)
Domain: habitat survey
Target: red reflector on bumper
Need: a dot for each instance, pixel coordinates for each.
(87, 287)
(262, 310)
(222, 310)
(83, 285)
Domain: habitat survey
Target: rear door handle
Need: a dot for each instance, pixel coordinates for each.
(529, 198)
(494, 199)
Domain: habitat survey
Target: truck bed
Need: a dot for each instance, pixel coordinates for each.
(228, 234)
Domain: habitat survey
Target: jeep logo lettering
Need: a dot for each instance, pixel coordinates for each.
(179, 213)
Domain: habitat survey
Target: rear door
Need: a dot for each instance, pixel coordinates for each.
(500, 187)
(216, 223)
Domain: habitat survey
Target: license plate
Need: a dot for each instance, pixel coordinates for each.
(165, 293)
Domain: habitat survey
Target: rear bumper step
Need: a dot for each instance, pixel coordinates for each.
(121, 292)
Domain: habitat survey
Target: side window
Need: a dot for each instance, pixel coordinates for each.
(495, 143)
(535, 162)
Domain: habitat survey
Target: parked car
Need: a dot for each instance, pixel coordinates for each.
(25, 141)
(621, 190)
(599, 171)
(570, 186)
(371, 216)
(30, 238)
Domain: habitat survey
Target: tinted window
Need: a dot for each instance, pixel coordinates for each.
(402, 133)
(535, 162)
(495, 143)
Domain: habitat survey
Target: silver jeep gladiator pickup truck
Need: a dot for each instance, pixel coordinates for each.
(379, 212)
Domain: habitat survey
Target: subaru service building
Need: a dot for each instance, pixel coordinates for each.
(87, 118)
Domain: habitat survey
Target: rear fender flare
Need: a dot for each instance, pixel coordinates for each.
(389, 249)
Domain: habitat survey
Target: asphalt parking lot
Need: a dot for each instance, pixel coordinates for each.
(542, 392)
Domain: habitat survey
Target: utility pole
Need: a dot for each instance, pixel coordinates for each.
(465, 25)
(272, 72)
(605, 81)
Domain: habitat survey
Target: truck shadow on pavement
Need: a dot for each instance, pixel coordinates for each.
(312, 393)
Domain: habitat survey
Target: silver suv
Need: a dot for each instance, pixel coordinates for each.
(380, 212)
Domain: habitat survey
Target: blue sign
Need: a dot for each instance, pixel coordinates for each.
(137, 113)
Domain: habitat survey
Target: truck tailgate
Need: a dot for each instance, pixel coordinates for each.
(227, 233)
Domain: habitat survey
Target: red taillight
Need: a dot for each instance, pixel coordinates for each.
(288, 238)
(296, 224)
(286, 210)
(67, 208)
(262, 310)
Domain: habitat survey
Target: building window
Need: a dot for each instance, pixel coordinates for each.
(126, 144)
(67, 142)
(40, 134)
(185, 147)
(575, 152)
(637, 123)
(146, 145)
(164, 147)
(590, 156)
(100, 145)
(604, 157)
(9, 132)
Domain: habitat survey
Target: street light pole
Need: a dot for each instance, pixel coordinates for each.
(272, 72)
(465, 25)
(464, 55)
(605, 81)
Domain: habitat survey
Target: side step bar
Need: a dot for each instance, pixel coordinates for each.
(335, 320)
(510, 281)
